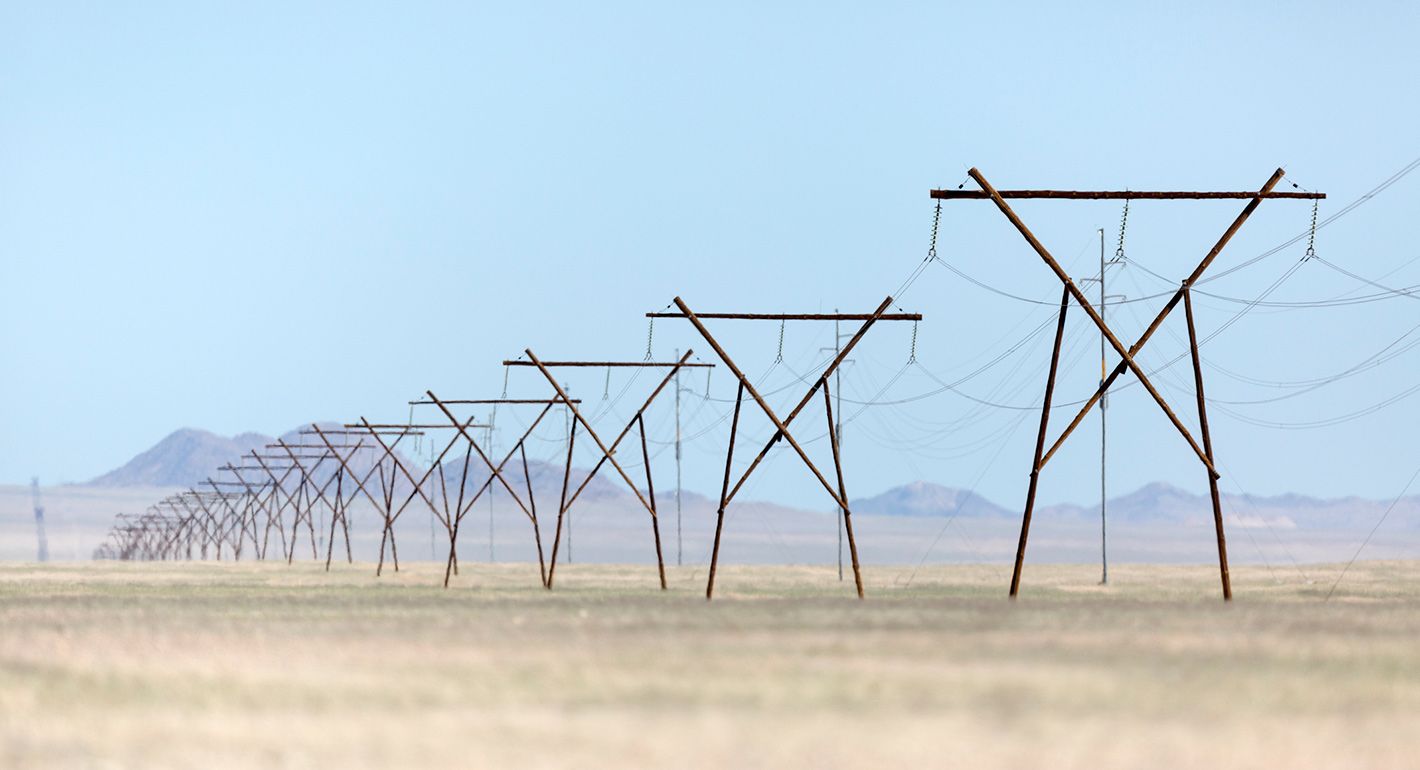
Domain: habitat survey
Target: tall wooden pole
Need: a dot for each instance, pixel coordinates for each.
(1207, 446)
(842, 492)
(724, 493)
(1039, 445)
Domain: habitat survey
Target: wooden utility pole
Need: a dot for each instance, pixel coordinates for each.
(607, 452)
(838, 493)
(1126, 355)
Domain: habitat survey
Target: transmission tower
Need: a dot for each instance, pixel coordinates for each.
(39, 521)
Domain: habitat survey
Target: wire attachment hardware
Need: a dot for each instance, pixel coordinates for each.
(936, 225)
(1123, 224)
(1311, 236)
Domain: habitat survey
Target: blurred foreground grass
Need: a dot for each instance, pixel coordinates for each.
(265, 665)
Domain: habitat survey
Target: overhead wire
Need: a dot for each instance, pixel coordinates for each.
(1372, 533)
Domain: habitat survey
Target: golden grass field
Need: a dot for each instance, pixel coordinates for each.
(209, 665)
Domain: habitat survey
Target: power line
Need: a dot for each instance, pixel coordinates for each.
(1372, 533)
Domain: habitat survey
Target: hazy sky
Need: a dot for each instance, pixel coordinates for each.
(252, 216)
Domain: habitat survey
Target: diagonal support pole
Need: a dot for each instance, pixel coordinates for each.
(606, 453)
(842, 490)
(781, 427)
(336, 508)
(562, 508)
(1125, 354)
(393, 515)
(1127, 361)
(666, 380)
(1040, 444)
(839, 495)
(383, 508)
(461, 508)
(724, 492)
(1165, 311)
(636, 419)
(1207, 445)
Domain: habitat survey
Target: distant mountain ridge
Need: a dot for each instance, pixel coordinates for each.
(182, 458)
(1154, 502)
(923, 498)
(189, 456)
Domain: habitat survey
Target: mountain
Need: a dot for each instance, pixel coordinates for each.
(1156, 503)
(185, 457)
(923, 498)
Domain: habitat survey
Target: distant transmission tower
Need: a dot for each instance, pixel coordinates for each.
(39, 521)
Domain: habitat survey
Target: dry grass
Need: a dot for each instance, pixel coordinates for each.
(207, 665)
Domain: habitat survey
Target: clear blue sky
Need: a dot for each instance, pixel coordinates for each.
(250, 216)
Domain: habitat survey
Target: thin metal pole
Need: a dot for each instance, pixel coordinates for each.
(1104, 404)
(433, 517)
(838, 434)
(843, 493)
(567, 474)
(679, 557)
(489, 441)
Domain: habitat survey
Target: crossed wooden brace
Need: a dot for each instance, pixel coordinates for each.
(182, 532)
(840, 493)
(519, 447)
(209, 521)
(1127, 362)
(239, 519)
(345, 470)
(449, 518)
(387, 483)
(385, 505)
(273, 506)
(190, 527)
(159, 534)
(218, 529)
(293, 500)
(341, 503)
(607, 452)
(234, 529)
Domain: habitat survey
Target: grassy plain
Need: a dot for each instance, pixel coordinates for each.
(264, 665)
